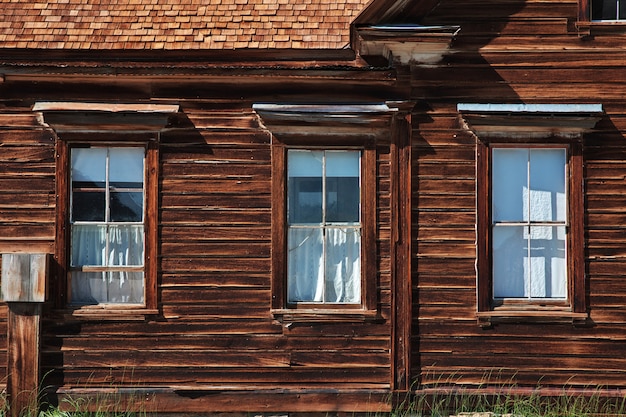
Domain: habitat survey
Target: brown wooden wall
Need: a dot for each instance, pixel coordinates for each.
(214, 330)
(515, 52)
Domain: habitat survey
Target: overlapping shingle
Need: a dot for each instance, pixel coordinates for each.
(183, 24)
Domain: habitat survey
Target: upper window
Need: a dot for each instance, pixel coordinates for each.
(323, 226)
(107, 225)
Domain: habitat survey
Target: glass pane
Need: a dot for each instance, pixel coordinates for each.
(603, 9)
(88, 205)
(509, 184)
(342, 200)
(305, 266)
(107, 287)
(304, 200)
(343, 266)
(547, 185)
(89, 287)
(88, 245)
(125, 245)
(126, 167)
(89, 165)
(510, 262)
(547, 262)
(343, 186)
(622, 10)
(126, 207)
(125, 287)
(343, 163)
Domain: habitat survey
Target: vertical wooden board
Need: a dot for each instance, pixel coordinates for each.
(24, 277)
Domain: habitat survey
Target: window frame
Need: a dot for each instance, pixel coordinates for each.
(62, 289)
(574, 306)
(368, 303)
(585, 20)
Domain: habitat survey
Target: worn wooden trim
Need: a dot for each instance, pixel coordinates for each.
(483, 238)
(58, 286)
(576, 254)
(279, 238)
(151, 225)
(401, 301)
(222, 400)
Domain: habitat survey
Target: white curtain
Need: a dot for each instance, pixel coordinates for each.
(113, 245)
(311, 278)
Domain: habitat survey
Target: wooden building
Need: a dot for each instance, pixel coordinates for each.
(267, 206)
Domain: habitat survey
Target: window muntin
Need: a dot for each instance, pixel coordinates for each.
(528, 224)
(608, 10)
(107, 225)
(323, 226)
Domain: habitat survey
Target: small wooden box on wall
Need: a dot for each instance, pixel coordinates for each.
(24, 277)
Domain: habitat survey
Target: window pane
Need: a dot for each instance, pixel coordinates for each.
(126, 207)
(343, 266)
(305, 266)
(88, 245)
(88, 206)
(604, 9)
(342, 186)
(547, 262)
(510, 266)
(305, 186)
(107, 287)
(509, 184)
(622, 10)
(126, 167)
(547, 185)
(88, 184)
(89, 165)
(125, 245)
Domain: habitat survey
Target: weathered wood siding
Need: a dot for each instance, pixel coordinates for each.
(529, 52)
(27, 200)
(215, 330)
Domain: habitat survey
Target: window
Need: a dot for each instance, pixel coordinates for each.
(106, 249)
(107, 225)
(530, 209)
(530, 214)
(323, 226)
(325, 162)
(608, 10)
(324, 230)
(601, 13)
(528, 223)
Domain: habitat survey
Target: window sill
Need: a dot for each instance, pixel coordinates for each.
(589, 28)
(320, 315)
(489, 318)
(109, 313)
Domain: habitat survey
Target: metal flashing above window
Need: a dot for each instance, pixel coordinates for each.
(511, 120)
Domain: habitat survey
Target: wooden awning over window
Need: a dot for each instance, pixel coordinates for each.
(77, 116)
(525, 121)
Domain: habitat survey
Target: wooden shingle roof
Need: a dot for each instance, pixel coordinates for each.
(176, 25)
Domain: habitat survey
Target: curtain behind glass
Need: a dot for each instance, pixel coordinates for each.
(122, 246)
